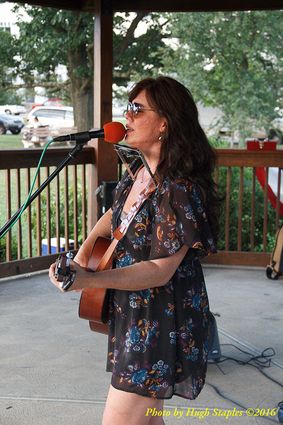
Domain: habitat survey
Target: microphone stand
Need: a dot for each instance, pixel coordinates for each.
(69, 157)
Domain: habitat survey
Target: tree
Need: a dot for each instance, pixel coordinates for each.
(51, 37)
(138, 56)
(232, 60)
(7, 64)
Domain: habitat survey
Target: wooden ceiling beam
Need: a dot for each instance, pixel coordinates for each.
(195, 5)
(160, 5)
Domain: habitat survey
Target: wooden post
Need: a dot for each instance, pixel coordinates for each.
(106, 162)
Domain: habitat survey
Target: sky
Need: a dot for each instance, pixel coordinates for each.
(7, 18)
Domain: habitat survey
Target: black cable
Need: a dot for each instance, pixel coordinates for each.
(216, 389)
(271, 379)
(266, 362)
(261, 361)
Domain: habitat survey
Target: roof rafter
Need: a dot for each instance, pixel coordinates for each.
(159, 5)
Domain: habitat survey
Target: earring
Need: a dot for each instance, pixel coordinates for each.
(161, 138)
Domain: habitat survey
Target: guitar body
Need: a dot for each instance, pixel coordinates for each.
(94, 301)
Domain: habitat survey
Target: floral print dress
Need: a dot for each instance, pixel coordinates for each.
(157, 343)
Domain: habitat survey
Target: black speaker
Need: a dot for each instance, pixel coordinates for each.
(214, 352)
(105, 191)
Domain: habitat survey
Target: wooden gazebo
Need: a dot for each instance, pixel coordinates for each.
(102, 156)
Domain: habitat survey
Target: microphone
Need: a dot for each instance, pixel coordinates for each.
(112, 132)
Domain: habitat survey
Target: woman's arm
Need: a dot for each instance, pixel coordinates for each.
(143, 275)
(103, 229)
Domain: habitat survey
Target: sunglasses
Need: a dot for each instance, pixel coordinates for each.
(135, 108)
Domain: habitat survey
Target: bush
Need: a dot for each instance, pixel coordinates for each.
(246, 213)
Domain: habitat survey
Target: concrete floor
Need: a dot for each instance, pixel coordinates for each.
(52, 367)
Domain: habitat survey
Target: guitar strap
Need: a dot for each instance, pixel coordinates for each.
(121, 230)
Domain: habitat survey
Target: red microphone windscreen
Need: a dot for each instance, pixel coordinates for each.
(114, 132)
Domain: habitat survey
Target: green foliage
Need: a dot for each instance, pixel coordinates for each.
(7, 64)
(53, 37)
(10, 97)
(43, 211)
(7, 52)
(246, 213)
(2, 249)
(50, 36)
(62, 208)
(141, 55)
(219, 143)
(232, 60)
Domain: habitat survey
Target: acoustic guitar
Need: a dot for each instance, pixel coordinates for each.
(94, 302)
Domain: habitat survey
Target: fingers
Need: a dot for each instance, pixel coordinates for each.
(52, 270)
(53, 278)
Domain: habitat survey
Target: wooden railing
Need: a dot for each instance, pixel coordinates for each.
(248, 222)
(55, 221)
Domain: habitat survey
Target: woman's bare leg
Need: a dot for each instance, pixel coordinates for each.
(156, 420)
(124, 408)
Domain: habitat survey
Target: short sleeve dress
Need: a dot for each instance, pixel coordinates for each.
(157, 344)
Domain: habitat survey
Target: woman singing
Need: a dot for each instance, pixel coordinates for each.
(157, 343)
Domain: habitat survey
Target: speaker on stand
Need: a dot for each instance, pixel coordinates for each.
(214, 351)
(104, 191)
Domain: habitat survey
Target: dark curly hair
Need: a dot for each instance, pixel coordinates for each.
(185, 152)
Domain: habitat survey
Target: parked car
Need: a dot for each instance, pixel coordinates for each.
(13, 109)
(54, 116)
(45, 122)
(11, 123)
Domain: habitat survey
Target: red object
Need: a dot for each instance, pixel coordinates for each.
(53, 101)
(264, 145)
(272, 191)
(114, 132)
(261, 172)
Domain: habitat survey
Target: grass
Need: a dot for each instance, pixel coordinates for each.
(11, 141)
